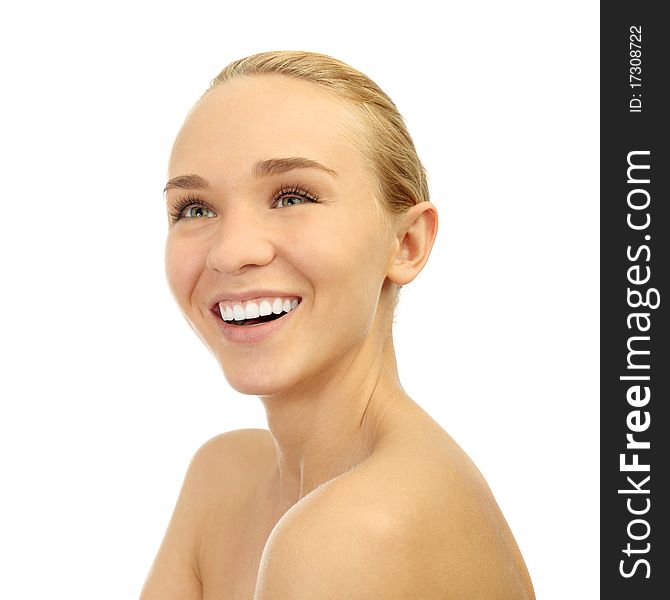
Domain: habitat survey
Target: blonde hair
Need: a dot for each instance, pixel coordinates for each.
(400, 176)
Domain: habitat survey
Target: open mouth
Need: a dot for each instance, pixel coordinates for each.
(257, 320)
(256, 312)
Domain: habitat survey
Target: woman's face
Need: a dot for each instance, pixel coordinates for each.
(261, 227)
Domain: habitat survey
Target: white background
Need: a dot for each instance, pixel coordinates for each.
(106, 393)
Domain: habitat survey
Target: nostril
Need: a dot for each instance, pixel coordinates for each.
(238, 249)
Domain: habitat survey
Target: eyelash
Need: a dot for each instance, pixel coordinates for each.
(183, 204)
(294, 190)
(282, 191)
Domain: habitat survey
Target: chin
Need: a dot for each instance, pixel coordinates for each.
(254, 381)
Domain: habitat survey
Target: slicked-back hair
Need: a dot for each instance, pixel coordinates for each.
(400, 177)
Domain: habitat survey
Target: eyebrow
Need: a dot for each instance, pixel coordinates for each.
(275, 166)
(272, 166)
(187, 182)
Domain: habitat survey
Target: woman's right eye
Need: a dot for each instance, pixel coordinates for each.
(189, 210)
(196, 211)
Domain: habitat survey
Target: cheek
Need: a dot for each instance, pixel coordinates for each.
(183, 264)
(345, 260)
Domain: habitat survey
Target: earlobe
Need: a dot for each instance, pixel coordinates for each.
(415, 235)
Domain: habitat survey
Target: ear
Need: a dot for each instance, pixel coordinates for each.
(415, 233)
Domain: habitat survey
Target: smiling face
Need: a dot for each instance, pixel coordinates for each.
(282, 207)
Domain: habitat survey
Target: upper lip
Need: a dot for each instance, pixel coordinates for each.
(242, 296)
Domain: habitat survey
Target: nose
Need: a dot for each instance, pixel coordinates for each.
(240, 241)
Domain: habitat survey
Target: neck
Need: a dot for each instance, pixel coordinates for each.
(329, 426)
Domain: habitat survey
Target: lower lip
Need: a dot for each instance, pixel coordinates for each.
(252, 334)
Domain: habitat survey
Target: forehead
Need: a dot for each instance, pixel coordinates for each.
(250, 119)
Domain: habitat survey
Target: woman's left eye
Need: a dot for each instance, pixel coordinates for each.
(290, 201)
(291, 197)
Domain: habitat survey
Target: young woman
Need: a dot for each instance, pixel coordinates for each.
(298, 207)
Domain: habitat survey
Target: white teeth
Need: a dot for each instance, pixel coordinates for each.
(265, 308)
(251, 310)
(238, 312)
(277, 306)
(255, 308)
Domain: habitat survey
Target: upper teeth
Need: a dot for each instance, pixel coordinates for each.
(239, 311)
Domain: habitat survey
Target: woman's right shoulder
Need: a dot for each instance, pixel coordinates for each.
(218, 480)
(234, 446)
(230, 459)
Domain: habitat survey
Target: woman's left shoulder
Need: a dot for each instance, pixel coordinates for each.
(418, 514)
(423, 493)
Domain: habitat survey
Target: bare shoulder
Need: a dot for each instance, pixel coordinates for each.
(415, 520)
(219, 475)
(233, 452)
(226, 467)
(324, 547)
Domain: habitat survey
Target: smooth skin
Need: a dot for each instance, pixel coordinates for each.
(353, 492)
